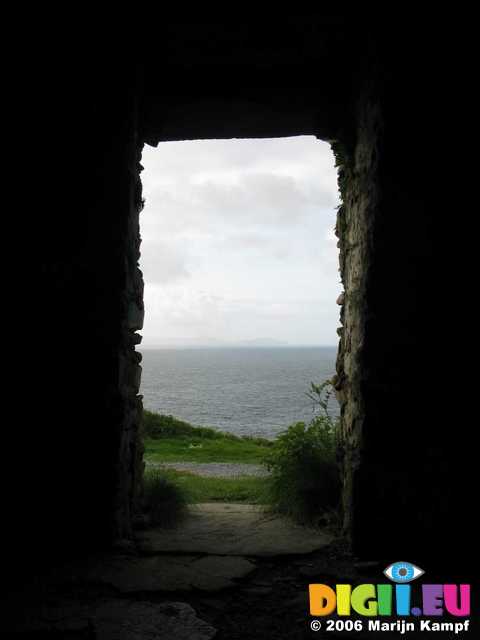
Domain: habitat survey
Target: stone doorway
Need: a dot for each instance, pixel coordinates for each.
(297, 201)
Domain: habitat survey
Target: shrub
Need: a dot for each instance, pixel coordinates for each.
(164, 500)
(305, 482)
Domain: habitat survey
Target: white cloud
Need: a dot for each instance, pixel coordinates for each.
(238, 241)
(163, 262)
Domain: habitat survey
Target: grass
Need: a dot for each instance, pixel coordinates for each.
(185, 449)
(304, 483)
(246, 489)
(156, 425)
(165, 499)
(168, 439)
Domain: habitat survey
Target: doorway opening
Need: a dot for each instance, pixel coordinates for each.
(240, 263)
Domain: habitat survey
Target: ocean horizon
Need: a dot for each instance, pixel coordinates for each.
(241, 389)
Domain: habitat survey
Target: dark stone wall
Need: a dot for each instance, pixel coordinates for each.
(357, 159)
(407, 467)
(75, 457)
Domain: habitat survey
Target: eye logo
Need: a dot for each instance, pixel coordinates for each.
(402, 572)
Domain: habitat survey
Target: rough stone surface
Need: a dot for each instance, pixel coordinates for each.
(171, 573)
(270, 603)
(234, 529)
(358, 182)
(119, 620)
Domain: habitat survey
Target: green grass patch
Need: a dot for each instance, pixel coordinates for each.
(185, 449)
(168, 439)
(246, 489)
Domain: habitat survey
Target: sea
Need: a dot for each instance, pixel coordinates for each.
(256, 391)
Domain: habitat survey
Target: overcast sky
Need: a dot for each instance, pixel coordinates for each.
(238, 242)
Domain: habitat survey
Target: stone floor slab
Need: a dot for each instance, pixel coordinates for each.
(116, 619)
(171, 573)
(234, 530)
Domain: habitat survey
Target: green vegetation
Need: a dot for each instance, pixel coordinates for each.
(196, 450)
(168, 439)
(165, 500)
(305, 482)
(247, 489)
(156, 425)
